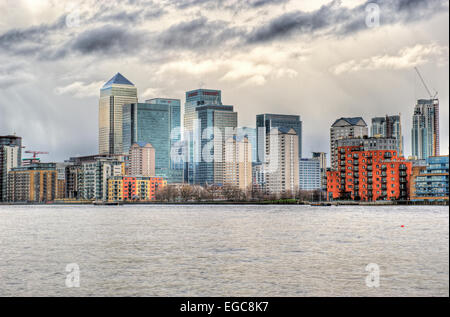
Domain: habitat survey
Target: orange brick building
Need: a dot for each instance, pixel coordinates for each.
(369, 170)
(122, 188)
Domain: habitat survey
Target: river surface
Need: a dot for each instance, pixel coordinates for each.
(163, 250)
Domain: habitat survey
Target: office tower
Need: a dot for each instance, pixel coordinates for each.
(388, 127)
(266, 122)
(322, 158)
(216, 123)
(61, 179)
(431, 183)
(238, 162)
(117, 92)
(282, 163)
(250, 134)
(309, 174)
(345, 128)
(34, 183)
(156, 122)
(370, 169)
(10, 157)
(142, 160)
(137, 188)
(425, 129)
(194, 99)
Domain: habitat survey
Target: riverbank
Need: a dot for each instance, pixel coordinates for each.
(276, 202)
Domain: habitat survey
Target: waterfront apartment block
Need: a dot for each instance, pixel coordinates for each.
(238, 163)
(10, 157)
(117, 92)
(126, 188)
(388, 127)
(322, 158)
(369, 170)
(345, 128)
(34, 183)
(431, 182)
(310, 174)
(266, 122)
(425, 129)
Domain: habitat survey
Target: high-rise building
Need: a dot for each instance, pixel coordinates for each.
(309, 174)
(117, 92)
(238, 163)
(216, 124)
(282, 161)
(142, 160)
(388, 127)
(10, 157)
(345, 128)
(250, 134)
(322, 158)
(33, 183)
(266, 122)
(369, 170)
(425, 129)
(194, 99)
(156, 122)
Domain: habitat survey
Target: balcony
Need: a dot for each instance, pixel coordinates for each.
(387, 155)
(356, 175)
(403, 180)
(403, 167)
(356, 163)
(370, 168)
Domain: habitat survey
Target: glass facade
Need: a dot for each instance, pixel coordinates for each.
(10, 157)
(425, 129)
(432, 183)
(250, 134)
(264, 124)
(153, 122)
(209, 169)
(309, 174)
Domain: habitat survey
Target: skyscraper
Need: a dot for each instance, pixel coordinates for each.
(10, 157)
(250, 134)
(194, 99)
(113, 95)
(156, 122)
(266, 122)
(238, 162)
(309, 174)
(345, 128)
(215, 123)
(281, 168)
(388, 127)
(425, 129)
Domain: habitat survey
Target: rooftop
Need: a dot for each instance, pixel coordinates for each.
(118, 79)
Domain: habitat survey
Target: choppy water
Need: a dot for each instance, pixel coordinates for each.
(224, 250)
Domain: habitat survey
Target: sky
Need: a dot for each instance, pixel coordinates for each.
(318, 59)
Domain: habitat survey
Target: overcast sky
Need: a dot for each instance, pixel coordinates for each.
(317, 59)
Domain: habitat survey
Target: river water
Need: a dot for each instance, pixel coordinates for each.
(221, 250)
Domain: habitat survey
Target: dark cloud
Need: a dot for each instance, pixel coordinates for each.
(108, 39)
(197, 34)
(333, 18)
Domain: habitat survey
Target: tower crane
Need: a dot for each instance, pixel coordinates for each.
(425, 85)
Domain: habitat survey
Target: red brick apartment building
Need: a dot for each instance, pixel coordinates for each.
(369, 169)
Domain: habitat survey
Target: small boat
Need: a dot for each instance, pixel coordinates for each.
(320, 204)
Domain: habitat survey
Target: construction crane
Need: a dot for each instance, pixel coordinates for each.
(425, 85)
(35, 153)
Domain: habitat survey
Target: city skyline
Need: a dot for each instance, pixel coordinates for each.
(258, 69)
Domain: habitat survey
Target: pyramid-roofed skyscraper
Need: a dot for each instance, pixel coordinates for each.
(117, 92)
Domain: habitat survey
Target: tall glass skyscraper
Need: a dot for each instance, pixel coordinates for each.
(213, 120)
(388, 127)
(265, 123)
(250, 134)
(194, 99)
(425, 129)
(156, 122)
(10, 157)
(113, 95)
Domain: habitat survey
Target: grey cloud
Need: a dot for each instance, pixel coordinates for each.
(107, 39)
(333, 18)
